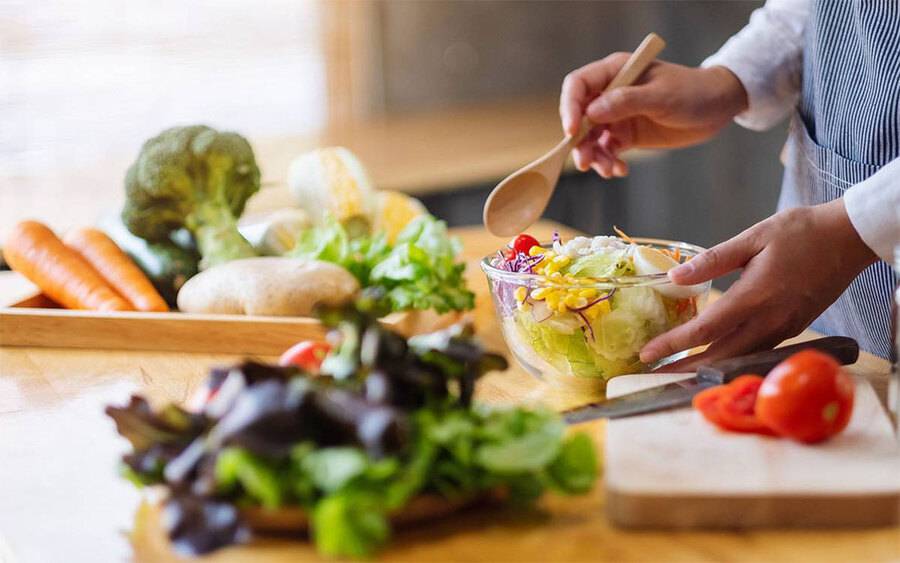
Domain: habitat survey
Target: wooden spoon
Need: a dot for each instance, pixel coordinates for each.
(520, 199)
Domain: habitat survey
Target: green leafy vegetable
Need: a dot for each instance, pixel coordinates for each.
(575, 468)
(419, 272)
(387, 421)
(256, 476)
(350, 524)
(521, 441)
(332, 468)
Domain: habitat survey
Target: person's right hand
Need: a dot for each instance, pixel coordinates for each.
(669, 106)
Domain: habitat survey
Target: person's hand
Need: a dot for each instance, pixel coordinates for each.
(795, 264)
(669, 106)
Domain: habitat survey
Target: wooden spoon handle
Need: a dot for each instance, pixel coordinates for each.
(636, 64)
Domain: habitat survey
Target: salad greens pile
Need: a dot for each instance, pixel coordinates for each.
(419, 271)
(389, 420)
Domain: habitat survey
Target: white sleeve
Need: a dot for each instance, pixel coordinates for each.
(873, 206)
(767, 57)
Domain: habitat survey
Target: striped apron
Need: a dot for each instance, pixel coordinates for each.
(846, 127)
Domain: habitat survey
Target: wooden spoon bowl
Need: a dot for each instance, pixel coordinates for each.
(520, 199)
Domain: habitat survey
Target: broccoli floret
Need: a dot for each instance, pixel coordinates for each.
(193, 177)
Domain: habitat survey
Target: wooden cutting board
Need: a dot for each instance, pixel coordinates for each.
(674, 470)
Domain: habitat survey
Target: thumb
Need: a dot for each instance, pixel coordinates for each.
(622, 103)
(715, 262)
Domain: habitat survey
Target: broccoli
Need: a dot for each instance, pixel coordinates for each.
(193, 177)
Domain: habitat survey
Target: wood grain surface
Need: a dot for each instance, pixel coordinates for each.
(62, 500)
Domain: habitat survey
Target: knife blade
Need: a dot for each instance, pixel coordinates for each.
(845, 350)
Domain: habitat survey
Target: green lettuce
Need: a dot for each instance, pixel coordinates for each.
(457, 453)
(602, 265)
(573, 353)
(420, 271)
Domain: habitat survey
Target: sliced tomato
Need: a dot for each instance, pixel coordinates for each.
(307, 355)
(732, 406)
(708, 402)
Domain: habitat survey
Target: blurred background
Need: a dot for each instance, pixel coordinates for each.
(440, 99)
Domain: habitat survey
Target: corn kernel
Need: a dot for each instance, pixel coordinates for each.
(523, 306)
(553, 300)
(540, 293)
(589, 293)
(562, 307)
(555, 276)
(535, 250)
(573, 301)
(520, 293)
(596, 310)
(562, 260)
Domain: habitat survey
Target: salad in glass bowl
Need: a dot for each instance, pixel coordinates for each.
(585, 307)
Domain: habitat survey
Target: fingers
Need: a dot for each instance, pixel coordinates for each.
(583, 154)
(750, 337)
(599, 151)
(583, 84)
(718, 260)
(572, 101)
(622, 103)
(720, 318)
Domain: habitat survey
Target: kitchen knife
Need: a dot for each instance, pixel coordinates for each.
(845, 350)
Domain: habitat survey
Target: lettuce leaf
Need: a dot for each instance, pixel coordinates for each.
(602, 265)
(419, 272)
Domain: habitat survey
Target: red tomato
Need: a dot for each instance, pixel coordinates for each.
(731, 407)
(523, 243)
(807, 397)
(307, 355)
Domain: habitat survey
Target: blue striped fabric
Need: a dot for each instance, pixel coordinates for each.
(848, 126)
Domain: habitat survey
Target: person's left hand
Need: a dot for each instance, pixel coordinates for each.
(795, 264)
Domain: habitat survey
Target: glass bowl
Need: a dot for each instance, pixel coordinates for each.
(584, 331)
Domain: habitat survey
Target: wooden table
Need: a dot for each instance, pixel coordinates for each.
(60, 498)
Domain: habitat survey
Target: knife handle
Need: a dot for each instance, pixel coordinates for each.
(845, 350)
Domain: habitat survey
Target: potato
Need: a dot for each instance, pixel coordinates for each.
(267, 286)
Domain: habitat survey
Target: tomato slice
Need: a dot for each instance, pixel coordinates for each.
(708, 403)
(307, 355)
(732, 406)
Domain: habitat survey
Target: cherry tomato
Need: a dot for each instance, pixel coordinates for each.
(731, 406)
(807, 397)
(523, 243)
(307, 355)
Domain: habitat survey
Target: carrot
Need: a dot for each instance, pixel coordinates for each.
(116, 268)
(623, 236)
(62, 274)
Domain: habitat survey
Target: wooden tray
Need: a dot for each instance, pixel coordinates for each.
(37, 321)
